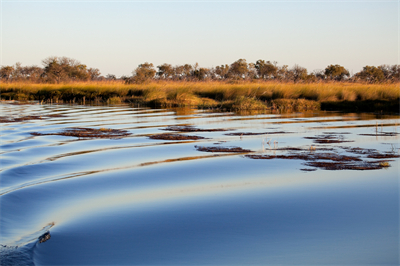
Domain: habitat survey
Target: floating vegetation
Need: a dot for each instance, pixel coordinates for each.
(222, 149)
(337, 162)
(365, 165)
(383, 156)
(328, 139)
(88, 133)
(4, 119)
(381, 134)
(312, 148)
(357, 150)
(290, 149)
(308, 157)
(192, 129)
(219, 142)
(252, 133)
(43, 238)
(175, 137)
(336, 133)
(384, 164)
(372, 153)
(308, 169)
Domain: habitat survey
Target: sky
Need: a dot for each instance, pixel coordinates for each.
(117, 36)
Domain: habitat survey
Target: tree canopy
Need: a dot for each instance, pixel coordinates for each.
(336, 72)
(64, 69)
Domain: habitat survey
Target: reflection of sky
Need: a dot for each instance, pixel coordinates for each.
(157, 201)
(159, 192)
(333, 219)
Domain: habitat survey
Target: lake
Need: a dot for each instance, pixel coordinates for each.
(125, 185)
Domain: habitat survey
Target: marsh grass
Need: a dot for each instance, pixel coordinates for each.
(234, 96)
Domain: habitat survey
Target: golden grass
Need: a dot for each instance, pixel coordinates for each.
(240, 96)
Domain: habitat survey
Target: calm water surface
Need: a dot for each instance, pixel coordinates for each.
(140, 201)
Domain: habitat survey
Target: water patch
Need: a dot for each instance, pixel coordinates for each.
(239, 190)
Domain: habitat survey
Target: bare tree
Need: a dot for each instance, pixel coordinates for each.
(94, 73)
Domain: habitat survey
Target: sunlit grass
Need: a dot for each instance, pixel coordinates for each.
(240, 96)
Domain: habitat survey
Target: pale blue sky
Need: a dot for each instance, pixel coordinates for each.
(116, 36)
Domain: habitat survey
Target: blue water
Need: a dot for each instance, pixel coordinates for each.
(139, 201)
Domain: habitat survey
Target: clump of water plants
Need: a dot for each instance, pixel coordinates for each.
(381, 134)
(308, 157)
(222, 149)
(254, 134)
(333, 161)
(384, 164)
(193, 129)
(373, 153)
(43, 238)
(4, 119)
(358, 150)
(175, 137)
(7, 119)
(383, 155)
(366, 165)
(88, 133)
(328, 139)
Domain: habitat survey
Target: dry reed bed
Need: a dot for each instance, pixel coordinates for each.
(237, 96)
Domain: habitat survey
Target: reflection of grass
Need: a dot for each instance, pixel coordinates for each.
(238, 96)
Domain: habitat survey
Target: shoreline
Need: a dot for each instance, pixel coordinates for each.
(240, 96)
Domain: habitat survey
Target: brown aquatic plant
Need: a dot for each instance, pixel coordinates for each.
(383, 156)
(307, 157)
(328, 139)
(366, 165)
(43, 238)
(381, 134)
(222, 149)
(193, 129)
(4, 119)
(175, 137)
(88, 133)
(255, 134)
(321, 160)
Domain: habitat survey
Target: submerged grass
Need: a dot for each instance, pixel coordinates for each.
(233, 96)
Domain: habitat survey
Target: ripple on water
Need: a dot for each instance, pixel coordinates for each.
(138, 200)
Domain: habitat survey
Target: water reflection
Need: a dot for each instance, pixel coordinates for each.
(140, 201)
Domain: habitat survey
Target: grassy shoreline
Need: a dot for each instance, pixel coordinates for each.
(230, 96)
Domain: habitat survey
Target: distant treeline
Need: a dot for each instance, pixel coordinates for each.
(63, 69)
